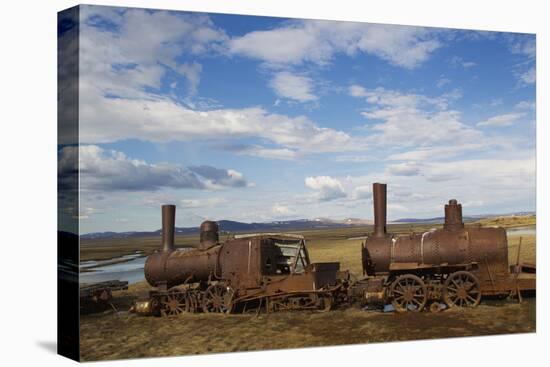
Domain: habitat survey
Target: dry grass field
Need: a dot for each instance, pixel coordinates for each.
(111, 335)
(509, 221)
(123, 335)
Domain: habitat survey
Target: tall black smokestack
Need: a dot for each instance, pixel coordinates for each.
(379, 200)
(168, 224)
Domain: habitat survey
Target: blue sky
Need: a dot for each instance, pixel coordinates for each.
(260, 119)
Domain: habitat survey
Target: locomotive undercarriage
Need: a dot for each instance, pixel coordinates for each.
(412, 291)
(219, 297)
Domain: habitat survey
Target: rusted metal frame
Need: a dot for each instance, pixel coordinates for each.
(422, 246)
(490, 274)
(259, 308)
(249, 256)
(307, 295)
(518, 270)
(282, 279)
(217, 265)
(435, 269)
(262, 294)
(306, 252)
(269, 235)
(113, 307)
(297, 256)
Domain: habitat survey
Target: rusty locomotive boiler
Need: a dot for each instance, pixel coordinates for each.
(245, 273)
(456, 265)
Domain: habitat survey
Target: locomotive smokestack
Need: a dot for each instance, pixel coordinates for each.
(453, 216)
(209, 235)
(168, 224)
(379, 200)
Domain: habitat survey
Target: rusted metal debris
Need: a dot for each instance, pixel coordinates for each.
(99, 295)
(455, 266)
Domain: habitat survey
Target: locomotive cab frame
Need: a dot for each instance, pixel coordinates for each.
(276, 264)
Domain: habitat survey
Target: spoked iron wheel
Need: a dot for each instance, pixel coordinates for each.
(461, 289)
(409, 293)
(174, 303)
(218, 298)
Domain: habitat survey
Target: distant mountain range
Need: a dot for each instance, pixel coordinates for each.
(233, 226)
(299, 224)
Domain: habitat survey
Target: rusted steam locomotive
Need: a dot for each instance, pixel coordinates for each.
(454, 265)
(246, 272)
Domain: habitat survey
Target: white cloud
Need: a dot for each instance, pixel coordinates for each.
(438, 152)
(219, 177)
(86, 212)
(404, 169)
(192, 71)
(106, 120)
(355, 158)
(441, 82)
(410, 119)
(357, 91)
(522, 44)
(416, 127)
(493, 182)
(362, 192)
(317, 42)
(281, 210)
(140, 47)
(292, 86)
(526, 105)
(502, 120)
(327, 188)
(495, 102)
(487, 173)
(262, 152)
(111, 170)
(201, 203)
(122, 66)
(273, 153)
(529, 76)
(459, 61)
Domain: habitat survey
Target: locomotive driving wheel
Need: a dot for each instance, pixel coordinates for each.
(409, 293)
(218, 298)
(174, 303)
(461, 289)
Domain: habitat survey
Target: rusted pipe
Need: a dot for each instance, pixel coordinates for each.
(168, 224)
(379, 200)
